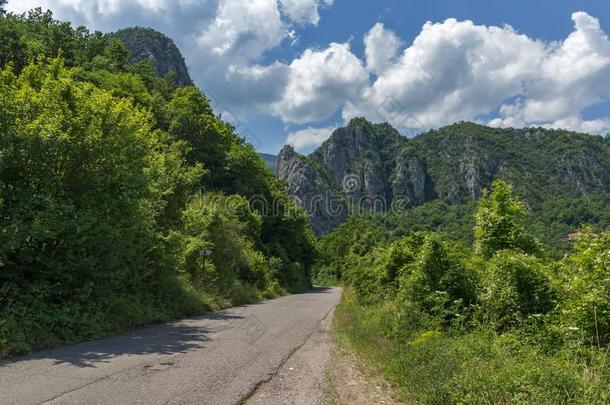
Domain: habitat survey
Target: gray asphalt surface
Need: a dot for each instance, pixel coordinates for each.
(219, 358)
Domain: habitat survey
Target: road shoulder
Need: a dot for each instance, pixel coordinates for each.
(323, 372)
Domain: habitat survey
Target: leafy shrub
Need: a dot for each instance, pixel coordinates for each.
(376, 275)
(431, 366)
(587, 289)
(344, 246)
(438, 281)
(219, 253)
(514, 286)
(83, 177)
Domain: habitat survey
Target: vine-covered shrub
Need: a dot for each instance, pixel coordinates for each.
(439, 282)
(514, 286)
(586, 305)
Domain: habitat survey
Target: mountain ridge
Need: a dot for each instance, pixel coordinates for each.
(453, 164)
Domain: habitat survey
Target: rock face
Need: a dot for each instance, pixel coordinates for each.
(368, 167)
(410, 180)
(358, 158)
(312, 190)
(160, 50)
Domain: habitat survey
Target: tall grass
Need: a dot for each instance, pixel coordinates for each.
(470, 367)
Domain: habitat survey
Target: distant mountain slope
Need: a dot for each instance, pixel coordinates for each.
(148, 44)
(270, 161)
(560, 174)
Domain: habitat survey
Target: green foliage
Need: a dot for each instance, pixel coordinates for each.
(499, 223)
(342, 249)
(514, 286)
(102, 221)
(376, 275)
(438, 281)
(219, 253)
(190, 118)
(500, 325)
(82, 181)
(586, 280)
(431, 367)
(455, 220)
(27, 37)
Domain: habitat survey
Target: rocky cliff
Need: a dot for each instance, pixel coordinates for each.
(163, 54)
(371, 167)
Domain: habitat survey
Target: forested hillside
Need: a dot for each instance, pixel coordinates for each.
(124, 199)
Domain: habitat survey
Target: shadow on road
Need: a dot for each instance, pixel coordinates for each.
(316, 289)
(179, 337)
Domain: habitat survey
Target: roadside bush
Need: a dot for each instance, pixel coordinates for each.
(432, 366)
(219, 253)
(587, 291)
(438, 280)
(376, 275)
(342, 249)
(503, 325)
(514, 286)
(83, 178)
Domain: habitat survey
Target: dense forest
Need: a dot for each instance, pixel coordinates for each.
(124, 199)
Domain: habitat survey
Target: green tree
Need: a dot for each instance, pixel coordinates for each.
(346, 245)
(191, 119)
(499, 223)
(83, 178)
(101, 225)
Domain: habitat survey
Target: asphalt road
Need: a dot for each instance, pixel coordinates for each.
(219, 358)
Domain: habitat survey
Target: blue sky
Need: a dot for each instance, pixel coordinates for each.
(292, 70)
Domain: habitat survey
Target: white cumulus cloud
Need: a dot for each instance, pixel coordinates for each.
(457, 70)
(319, 83)
(309, 137)
(573, 75)
(453, 70)
(302, 11)
(380, 48)
(244, 29)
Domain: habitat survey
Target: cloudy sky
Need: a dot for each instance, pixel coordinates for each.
(290, 71)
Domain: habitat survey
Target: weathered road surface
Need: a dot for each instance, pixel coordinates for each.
(219, 358)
